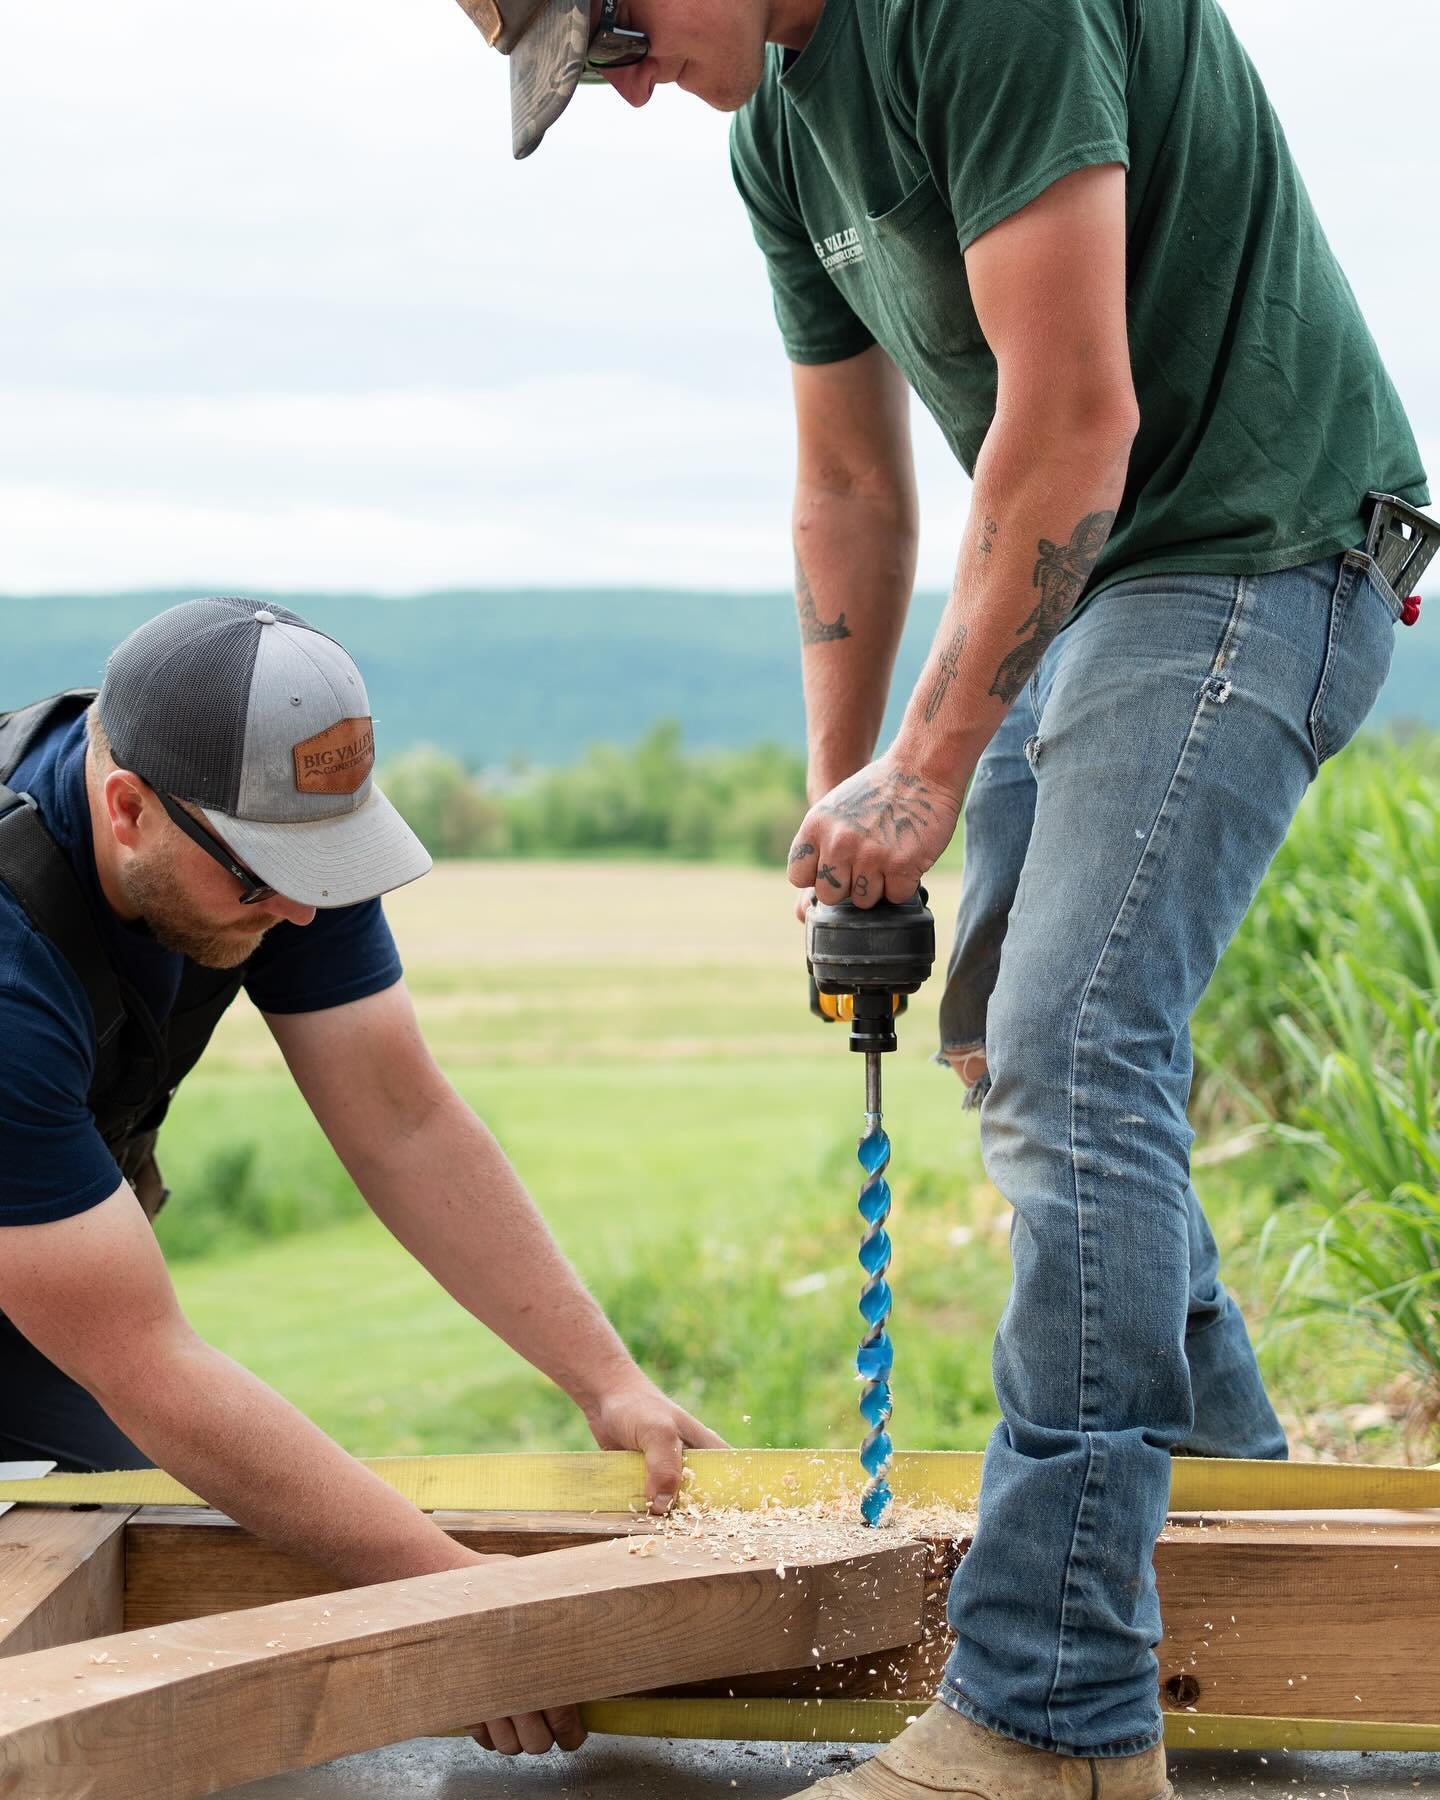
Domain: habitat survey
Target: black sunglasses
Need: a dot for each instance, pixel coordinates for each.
(252, 888)
(612, 46)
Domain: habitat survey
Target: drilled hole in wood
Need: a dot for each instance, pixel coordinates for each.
(1182, 1690)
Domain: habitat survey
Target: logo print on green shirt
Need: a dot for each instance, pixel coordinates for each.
(840, 247)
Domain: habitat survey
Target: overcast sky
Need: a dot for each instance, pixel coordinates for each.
(278, 310)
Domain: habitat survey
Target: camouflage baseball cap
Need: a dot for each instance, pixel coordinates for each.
(546, 41)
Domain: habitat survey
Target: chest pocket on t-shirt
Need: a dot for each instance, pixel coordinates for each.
(924, 293)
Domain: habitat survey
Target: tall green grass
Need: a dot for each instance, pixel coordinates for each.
(1324, 1024)
(1358, 874)
(1367, 1052)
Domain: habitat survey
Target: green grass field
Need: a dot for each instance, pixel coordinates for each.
(638, 1038)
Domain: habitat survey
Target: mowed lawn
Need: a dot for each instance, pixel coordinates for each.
(637, 1036)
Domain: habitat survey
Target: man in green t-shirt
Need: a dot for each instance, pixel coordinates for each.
(1074, 228)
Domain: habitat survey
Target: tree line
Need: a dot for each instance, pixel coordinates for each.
(654, 799)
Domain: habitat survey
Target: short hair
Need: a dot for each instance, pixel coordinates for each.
(100, 746)
(103, 752)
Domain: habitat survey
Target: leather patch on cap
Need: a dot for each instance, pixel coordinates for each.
(337, 760)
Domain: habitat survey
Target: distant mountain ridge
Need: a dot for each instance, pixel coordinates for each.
(539, 674)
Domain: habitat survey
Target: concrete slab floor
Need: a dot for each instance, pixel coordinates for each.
(649, 1768)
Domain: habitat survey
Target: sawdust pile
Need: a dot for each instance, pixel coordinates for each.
(776, 1534)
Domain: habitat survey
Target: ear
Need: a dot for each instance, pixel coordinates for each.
(131, 807)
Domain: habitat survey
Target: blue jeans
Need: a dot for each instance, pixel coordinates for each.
(1116, 831)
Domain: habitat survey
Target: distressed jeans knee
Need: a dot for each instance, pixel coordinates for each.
(974, 1071)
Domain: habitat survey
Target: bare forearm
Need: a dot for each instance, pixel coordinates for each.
(1038, 523)
(854, 570)
(247, 1451)
(451, 1197)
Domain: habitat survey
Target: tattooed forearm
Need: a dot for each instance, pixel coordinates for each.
(891, 810)
(1060, 574)
(949, 669)
(987, 537)
(814, 629)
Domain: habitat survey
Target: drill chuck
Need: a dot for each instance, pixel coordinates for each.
(870, 957)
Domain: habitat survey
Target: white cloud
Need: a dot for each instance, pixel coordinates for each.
(280, 310)
(647, 484)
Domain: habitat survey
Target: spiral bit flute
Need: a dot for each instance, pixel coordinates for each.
(863, 961)
(876, 1354)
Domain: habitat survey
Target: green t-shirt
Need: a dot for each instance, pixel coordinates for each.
(907, 128)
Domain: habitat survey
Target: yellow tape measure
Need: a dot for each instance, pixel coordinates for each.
(614, 1481)
(877, 1721)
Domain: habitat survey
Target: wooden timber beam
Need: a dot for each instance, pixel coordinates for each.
(190, 1708)
(181, 1563)
(1292, 1618)
(1330, 1623)
(62, 1576)
(1285, 1617)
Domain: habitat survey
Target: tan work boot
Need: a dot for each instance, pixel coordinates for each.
(943, 1756)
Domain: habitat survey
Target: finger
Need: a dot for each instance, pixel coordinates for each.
(481, 1735)
(901, 884)
(696, 1436)
(831, 880)
(802, 862)
(868, 886)
(534, 1733)
(504, 1739)
(804, 903)
(664, 1465)
(566, 1726)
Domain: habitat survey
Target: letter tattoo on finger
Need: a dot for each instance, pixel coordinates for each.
(800, 851)
(860, 886)
(828, 876)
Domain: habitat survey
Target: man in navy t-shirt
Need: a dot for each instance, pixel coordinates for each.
(211, 821)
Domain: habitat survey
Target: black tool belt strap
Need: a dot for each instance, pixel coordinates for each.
(38, 874)
(137, 1065)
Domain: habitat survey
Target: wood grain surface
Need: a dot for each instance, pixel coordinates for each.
(181, 1563)
(62, 1576)
(174, 1711)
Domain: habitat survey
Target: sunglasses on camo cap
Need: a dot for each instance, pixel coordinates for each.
(612, 46)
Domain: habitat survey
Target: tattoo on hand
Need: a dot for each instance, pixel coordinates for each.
(1060, 574)
(949, 669)
(799, 852)
(828, 875)
(892, 810)
(814, 629)
(860, 886)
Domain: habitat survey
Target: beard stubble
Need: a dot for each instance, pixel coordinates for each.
(151, 888)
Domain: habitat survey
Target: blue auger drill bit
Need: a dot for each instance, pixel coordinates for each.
(863, 962)
(876, 1354)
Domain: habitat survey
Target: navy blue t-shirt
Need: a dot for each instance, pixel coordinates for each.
(53, 1161)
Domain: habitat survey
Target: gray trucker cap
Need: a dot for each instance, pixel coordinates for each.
(546, 41)
(263, 723)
